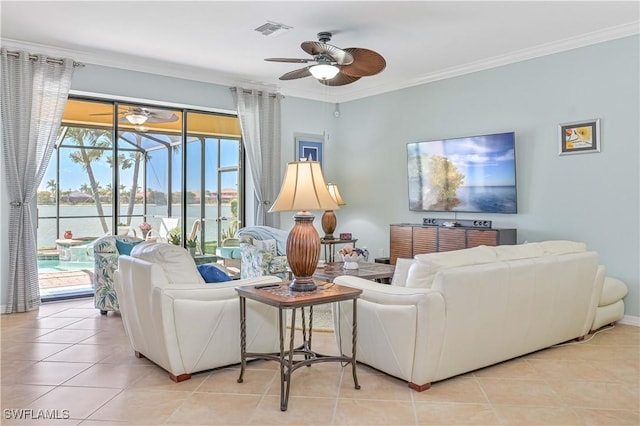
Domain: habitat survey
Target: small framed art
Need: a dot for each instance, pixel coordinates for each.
(579, 137)
(309, 147)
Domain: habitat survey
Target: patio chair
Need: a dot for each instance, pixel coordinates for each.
(167, 224)
(106, 251)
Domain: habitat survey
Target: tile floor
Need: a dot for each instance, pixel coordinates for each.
(69, 360)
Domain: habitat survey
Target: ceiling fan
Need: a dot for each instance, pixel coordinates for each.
(334, 66)
(138, 115)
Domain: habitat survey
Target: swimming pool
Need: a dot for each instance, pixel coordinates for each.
(55, 265)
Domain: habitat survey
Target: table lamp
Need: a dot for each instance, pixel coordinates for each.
(303, 189)
(329, 220)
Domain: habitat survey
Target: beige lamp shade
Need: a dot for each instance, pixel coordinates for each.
(303, 189)
(329, 220)
(335, 194)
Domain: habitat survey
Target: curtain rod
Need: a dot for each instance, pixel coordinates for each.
(273, 95)
(16, 54)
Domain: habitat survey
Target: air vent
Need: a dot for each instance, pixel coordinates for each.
(272, 29)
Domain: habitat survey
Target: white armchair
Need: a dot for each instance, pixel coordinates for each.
(173, 318)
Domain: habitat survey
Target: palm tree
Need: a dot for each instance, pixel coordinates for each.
(233, 223)
(136, 158)
(52, 187)
(124, 163)
(85, 188)
(105, 192)
(123, 194)
(92, 146)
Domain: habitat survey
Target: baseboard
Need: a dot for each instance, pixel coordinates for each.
(630, 320)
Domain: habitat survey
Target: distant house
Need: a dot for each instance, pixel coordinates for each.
(228, 194)
(77, 197)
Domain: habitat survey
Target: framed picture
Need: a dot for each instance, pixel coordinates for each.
(309, 147)
(579, 137)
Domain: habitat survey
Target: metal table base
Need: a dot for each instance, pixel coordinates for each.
(285, 357)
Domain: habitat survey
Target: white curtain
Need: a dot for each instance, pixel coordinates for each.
(260, 122)
(34, 94)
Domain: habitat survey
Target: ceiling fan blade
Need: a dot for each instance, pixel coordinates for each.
(316, 48)
(291, 60)
(299, 73)
(121, 110)
(339, 80)
(158, 118)
(163, 113)
(366, 63)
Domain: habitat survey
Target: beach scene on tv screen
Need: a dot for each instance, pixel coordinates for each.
(471, 174)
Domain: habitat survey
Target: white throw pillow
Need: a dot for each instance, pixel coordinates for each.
(435, 262)
(270, 246)
(612, 291)
(470, 256)
(520, 251)
(401, 272)
(420, 275)
(557, 247)
(179, 267)
(537, 249)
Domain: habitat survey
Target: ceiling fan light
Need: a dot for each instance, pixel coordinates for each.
(136, 119)
(324, 71)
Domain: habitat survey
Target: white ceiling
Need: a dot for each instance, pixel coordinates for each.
(215, 41)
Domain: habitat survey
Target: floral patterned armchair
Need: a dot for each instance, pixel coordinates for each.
(261, 255)
(105, 250)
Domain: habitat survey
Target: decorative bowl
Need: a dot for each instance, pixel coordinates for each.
(351, 261)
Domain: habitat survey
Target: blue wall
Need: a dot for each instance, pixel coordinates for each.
(590, 197)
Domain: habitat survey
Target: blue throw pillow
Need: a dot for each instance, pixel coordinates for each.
(125, 247)
(211, 274)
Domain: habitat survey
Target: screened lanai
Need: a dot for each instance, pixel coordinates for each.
(177, 175)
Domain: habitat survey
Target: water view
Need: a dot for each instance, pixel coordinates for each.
(85, 227)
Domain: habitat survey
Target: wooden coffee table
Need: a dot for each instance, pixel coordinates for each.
(367, 270)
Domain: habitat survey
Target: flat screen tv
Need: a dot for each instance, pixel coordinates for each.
(470, 174)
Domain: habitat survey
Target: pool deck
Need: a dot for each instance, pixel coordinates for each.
(50, 280)
(81, 277)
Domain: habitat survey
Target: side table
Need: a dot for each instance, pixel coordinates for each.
(280, 296)
(329, 247)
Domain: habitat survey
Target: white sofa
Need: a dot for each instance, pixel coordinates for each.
(184, 325)
(611, 304)
(450, 313)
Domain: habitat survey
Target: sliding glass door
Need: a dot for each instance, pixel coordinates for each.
(118, 165)
(213, 204)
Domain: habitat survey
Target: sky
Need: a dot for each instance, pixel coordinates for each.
(73, 176)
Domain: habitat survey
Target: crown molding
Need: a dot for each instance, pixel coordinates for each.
(609, 34)
(127, 62)
(136, 63)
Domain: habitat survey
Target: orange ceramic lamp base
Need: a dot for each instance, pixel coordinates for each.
(303, 252)
(329, 222)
